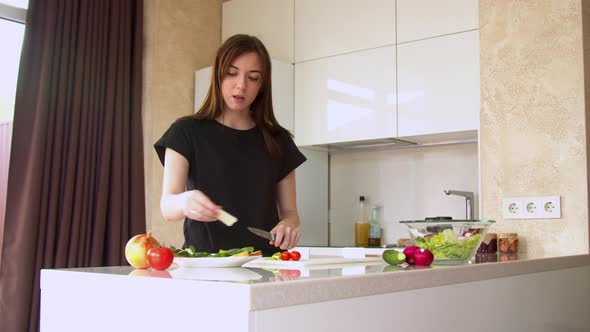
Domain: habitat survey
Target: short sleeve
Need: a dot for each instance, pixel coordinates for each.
(177, 138)
(291, 157)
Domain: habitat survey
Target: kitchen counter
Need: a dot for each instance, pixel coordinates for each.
(258, 299)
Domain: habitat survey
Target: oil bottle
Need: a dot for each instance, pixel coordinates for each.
(361, 228)
(375, 228)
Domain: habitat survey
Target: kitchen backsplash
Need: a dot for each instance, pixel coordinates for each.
(407, 183)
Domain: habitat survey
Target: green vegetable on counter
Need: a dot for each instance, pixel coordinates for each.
(446, 245)
(275, 257)
(394, 257)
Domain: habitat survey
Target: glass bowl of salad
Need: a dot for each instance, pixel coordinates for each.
(450, 241)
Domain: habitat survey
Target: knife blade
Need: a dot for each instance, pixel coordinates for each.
(262, 233)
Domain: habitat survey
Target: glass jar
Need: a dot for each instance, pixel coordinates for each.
(508, 243)
(489, 245)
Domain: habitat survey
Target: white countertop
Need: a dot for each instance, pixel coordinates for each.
(273, 288)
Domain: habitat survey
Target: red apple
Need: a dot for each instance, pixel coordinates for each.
(409, 252)
(423, 257)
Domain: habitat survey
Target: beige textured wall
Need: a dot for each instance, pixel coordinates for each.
(586, 39)
(180, 36)
(533, 130)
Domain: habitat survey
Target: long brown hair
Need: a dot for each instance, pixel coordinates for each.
(261, 108)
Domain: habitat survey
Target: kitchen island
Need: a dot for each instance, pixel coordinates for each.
(527, 294)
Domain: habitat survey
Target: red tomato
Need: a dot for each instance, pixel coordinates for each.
(295, 255)
(160, 258)
(285, 256)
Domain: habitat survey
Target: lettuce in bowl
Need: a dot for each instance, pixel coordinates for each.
(448, 246)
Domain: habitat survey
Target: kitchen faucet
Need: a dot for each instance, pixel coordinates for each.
(468, 201)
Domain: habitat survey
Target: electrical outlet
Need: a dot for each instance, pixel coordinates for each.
(512, 208)
(549, 207)
(544, 207)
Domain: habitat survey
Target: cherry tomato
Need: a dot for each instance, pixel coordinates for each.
(295, 255)
(285, 256)
(160, 258)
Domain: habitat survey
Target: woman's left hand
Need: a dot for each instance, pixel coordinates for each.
(286, 233)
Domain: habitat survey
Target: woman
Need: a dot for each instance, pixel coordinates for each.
(232, 153)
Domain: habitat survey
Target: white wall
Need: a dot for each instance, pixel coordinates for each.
(407, 183)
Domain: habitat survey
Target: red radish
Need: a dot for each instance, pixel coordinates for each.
(409, 252)
(423, 257)
(468, 233)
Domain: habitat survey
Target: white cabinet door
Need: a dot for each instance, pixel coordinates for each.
(419, 19)
(349, 97)
(438, 85)
(202, 82)
(269, 20)
(312, 198)
(282, 91)
(331, 27)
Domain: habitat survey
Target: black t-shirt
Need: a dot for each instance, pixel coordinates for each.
(233, 168)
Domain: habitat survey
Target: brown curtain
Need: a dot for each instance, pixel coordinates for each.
(76, 185)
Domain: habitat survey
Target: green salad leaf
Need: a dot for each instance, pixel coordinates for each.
(446, 245)
(192, 252)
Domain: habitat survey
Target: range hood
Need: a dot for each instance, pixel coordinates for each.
(366, 144)
(450, 138)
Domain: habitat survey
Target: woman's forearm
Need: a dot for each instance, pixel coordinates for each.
(173, 206)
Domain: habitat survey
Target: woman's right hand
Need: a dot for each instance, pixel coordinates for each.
(198, 206)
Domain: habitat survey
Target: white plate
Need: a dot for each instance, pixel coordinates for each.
(213, 261)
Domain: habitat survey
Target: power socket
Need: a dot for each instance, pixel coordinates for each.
(543, 207)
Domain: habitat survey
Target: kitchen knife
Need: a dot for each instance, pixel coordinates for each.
(262, 233)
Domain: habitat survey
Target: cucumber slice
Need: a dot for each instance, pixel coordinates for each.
(226, 218)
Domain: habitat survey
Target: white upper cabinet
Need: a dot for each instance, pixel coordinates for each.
(331, 27)
(269, 20)
(282, 91)
(438, 85)
(419, 19)
(345, 98)
(202, 82)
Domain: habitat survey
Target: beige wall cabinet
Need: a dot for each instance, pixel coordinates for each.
(269, 20)
(349, 97)
(438, 85)
(331, 27)
(419, 19)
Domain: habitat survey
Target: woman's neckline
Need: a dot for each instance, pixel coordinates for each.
(235, 129)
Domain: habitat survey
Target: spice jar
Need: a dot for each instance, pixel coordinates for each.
(508, 243)
(489, 245)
